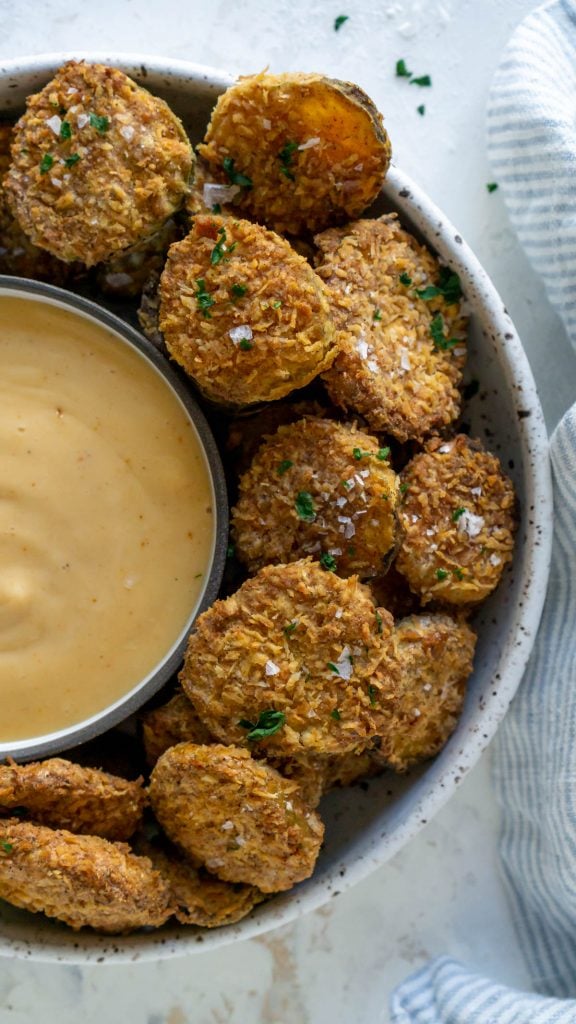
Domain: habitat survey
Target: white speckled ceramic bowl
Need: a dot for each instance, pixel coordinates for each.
(364, 826)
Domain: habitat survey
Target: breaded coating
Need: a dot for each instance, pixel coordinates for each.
(318, 488)
(97, 164)
(61, 794)
(84, 881)
(18, 257)
(305, 151)
(354, 767)
(244, 315)
(458, 517)
(172, 723)
(316, 775)
(401, 355)
(288, 662)
(246, 433)
(239, 817)
(200, 898)
(435, 654)
(126, 275)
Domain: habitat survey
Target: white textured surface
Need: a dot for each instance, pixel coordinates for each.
(442, 894)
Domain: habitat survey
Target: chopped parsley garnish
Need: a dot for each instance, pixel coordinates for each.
(378, 622)
(285, 157)
(7, 847)
(403, 488)
(46, 163)
(423, 81)
(230, 551)
(65, 130)
(220, 250)
(305, 506)
(203, 298)
(268, 723)
(359, 454)
(438, 337)
(448, 287)
(421, 110)
(238, 290)
(492, 186)
(72, 159)
(101, 124)
(377, 315)
(457, 513)
(383, 454)
(234, 176)
(458, 573)
(339, 21)
(216, 208)
(327, 561)
(430, 292)
(284, 466)
(289, 629)
(405, 279)
(277, 304)
(442, 574)
(372, 693)
(402, 70)
(335, 714)
(333, 668)
(245, 345)
(346, 484)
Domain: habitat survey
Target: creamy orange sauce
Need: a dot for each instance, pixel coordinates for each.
(106, 525)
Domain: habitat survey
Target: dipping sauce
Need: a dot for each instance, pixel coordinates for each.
(106, 525)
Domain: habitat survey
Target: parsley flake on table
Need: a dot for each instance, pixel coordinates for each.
(304, 505)
(235, 177)
(269, 722)
(46, 163)
(327, 561)
(421, 110)
(424, 81)
(101, 124)
(284, 466)
(402, 70)
(230, 551)
(339, 21)
(492, 186)
(203, 298)
(285, 157)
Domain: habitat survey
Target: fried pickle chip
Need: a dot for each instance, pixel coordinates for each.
(303, 150)
(318, 488)
(399, 328)
(239, 817)
(172, 723)
(244, 314)
(97, 164)
(84, 881)
(435, 653)
(66, 795)
(246, 433)
(288, 662)
(458, 517)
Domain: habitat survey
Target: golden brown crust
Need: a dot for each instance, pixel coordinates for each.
(351, 495)
(200, 898)
(435, 653)
(389, 368)
(246, 433)
(255, 346)
(458, 517)
(61, 794)
(134, 163)
(239, 817)
(300, 641)
(314, 148)
(84, 881)
(172, 723)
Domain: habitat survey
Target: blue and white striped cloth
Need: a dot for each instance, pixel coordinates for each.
(532, 146)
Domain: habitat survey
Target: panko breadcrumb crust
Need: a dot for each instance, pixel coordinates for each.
(84, 881)
(351, 492)
(172, 723)
(459, 518)
(389, 369)
(303, 642)
(311, 150)
(61, 794)
(98, 164)
(239, 817)
(435, 653)
(244, 314)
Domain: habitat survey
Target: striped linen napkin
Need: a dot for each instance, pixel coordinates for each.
(532, 147)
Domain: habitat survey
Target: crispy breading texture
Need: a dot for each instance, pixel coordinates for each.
(310, 150)
(244, 314)
(303, 642)
(389, 368)
(61, 794)
(315, 775)
(435, 653)
(458, 517)
(97, 164)
(84, 881)
(246, 433)
(172, 723)
(348, 516)
(200, 898)
(239, 817)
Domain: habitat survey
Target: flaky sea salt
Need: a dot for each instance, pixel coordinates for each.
(242, 333)
(271, 668)
(213, 193)
(470, 524)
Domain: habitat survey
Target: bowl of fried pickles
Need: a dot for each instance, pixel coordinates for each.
(387, 476)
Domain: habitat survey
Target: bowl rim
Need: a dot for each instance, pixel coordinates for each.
(85, 309)
(440, 782)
